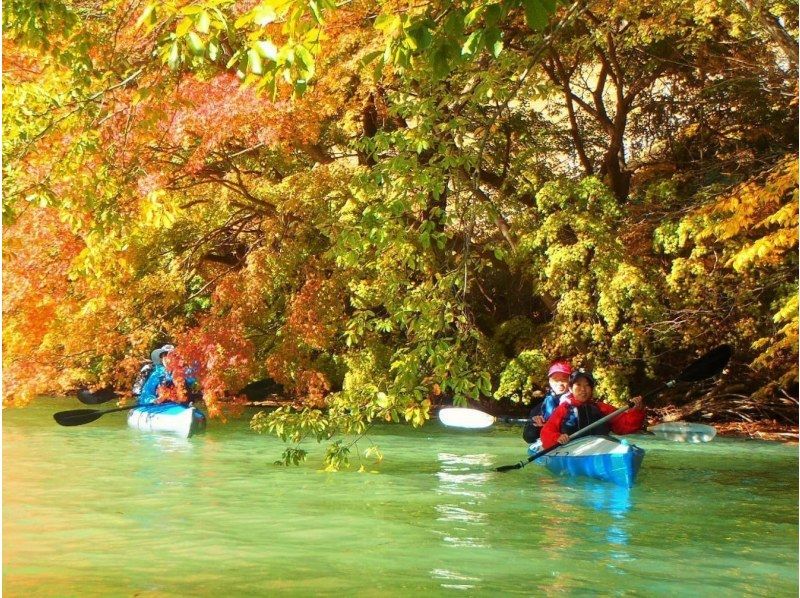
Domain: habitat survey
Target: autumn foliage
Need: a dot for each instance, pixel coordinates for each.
(380, 206)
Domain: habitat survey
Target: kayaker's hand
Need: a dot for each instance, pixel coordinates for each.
(563, 439)
(538, 421)
(638, 402)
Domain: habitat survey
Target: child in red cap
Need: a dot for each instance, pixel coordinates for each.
(558, 378)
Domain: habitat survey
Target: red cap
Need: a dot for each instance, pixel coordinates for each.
(559, 367)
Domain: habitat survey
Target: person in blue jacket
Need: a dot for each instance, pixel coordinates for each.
(558, 380)
(160, 377)
(147, 369)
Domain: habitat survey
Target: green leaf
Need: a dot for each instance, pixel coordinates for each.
(174, 59)
(315, 10)
(420, 33)
(213, 50)
(264, 15)
(245, 19)
(440, 62)
(306, 61)
(497, 47)
(203, 23)
(425, 240)
(473, 43)
(473, 15)
(254, 64)
(493, 14)
(267, 49)
(234, 59)
(536, 14)
(369, 57)
(184, 26)
(192, 9)
(388, 23)
(147, 13)
(493, 41)
(196, 44)
(377, 71)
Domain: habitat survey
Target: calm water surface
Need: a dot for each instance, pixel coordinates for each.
(101, 510)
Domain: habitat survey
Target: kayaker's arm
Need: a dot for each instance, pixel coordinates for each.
(551, 431)
(630, 421)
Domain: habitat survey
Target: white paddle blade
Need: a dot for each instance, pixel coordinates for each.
(684, 431)
(461, 417)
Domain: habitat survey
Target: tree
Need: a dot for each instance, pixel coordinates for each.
(383, 206)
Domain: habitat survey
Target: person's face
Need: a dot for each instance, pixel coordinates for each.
(166, 359)
(559, 383)
(581, 390)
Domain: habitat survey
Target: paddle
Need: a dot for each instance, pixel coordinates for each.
(253, 391)
(96, 398)
(462, 417)
(473, 419)
(704, 367)
(78, 417)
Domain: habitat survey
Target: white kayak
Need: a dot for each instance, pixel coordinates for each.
(171, 418)
(684, 431)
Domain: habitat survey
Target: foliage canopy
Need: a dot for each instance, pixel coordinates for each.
(379, 205)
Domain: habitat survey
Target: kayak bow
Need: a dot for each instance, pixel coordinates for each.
(598, 457)
(172, 418)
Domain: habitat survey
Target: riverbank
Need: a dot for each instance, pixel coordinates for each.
(767, 429)
(756, 428)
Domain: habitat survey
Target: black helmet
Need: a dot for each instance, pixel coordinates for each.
(581, 373)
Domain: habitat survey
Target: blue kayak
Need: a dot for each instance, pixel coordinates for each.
(172, 418)
(598, 457)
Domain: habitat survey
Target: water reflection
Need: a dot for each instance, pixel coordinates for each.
(612, 504)
(463, 492)
(164, 443)
(454, 581)
(608, 498)
(616, 502)
(577, 512)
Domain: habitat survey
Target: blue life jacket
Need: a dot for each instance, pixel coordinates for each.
(157, 377)
(580, 416)
(549, 404)
(141, 378)
(544, 408)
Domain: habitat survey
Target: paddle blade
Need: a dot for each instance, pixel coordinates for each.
(77, 417)
(461, 417)
(504, 468)
(684, 431)
(261, 389)
(97, 398)
(708, 365)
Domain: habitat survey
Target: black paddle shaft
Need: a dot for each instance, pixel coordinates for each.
(710, 364)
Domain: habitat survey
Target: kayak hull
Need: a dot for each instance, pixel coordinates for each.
(168, 418)
(598, 457)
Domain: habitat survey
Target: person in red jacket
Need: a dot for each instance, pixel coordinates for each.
(578, 409)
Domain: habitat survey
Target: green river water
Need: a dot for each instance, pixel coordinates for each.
(101, 510)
